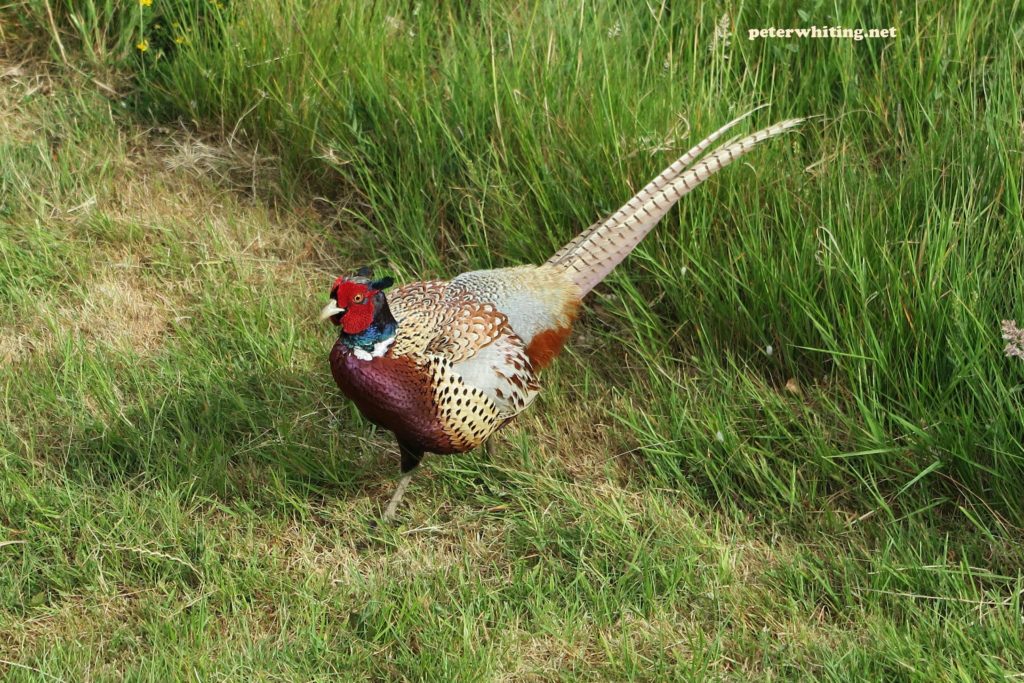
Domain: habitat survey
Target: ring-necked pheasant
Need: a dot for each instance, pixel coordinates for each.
(443, 364)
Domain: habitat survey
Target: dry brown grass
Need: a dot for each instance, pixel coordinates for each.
(169, 187)
(17, 83)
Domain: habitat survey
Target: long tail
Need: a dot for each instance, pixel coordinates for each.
(595, 252)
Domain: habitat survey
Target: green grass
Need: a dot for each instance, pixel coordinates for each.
(184, 494)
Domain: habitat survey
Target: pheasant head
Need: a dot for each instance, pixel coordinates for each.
(357, 301)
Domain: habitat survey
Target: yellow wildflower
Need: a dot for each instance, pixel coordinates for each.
(145, 3)
(142, 45)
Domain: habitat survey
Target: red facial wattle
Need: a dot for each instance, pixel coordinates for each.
(357, 318)
(357, 300)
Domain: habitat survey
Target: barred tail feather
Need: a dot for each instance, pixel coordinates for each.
(649, 190)
(596, 251)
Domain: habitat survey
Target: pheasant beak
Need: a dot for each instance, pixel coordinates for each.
(330, 310)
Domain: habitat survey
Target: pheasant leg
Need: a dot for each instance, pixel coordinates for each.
(389, 512)
(410, 461)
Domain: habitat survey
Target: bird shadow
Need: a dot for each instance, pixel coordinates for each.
(247, 438)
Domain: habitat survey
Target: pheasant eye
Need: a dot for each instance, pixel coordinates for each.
(357, 298)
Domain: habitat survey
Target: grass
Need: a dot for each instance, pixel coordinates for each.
(186, 495)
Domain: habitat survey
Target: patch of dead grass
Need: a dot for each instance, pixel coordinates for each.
(540, 656)
(117, 311)
(242, 168)
(123, 313)
(169, 189)
(71, 619)
(342, 561)
(17, 83)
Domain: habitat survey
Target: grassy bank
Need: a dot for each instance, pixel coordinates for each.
(801, 452)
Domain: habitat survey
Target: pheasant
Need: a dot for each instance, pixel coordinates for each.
(444, 364)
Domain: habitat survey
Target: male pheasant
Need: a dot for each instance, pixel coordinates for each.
(444, 364)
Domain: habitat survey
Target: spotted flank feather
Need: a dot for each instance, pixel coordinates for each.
(467, 415)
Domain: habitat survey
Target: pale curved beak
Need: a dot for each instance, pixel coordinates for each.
(330, 309)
